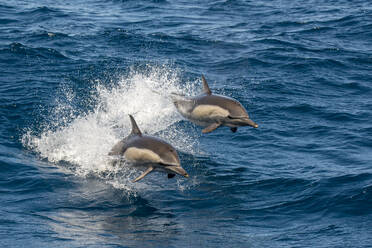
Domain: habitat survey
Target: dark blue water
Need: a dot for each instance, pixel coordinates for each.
(71, 72)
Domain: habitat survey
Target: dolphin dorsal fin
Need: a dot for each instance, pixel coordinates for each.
(135, 129)
(206, 87)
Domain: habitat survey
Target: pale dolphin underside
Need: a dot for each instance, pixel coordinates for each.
(149, 152)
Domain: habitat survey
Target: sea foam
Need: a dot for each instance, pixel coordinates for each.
(83, 141)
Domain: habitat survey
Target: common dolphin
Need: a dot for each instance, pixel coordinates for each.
(149, 152)
(212, 110)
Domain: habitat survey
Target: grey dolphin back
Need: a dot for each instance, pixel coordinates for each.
(135, 128)
(206, 87)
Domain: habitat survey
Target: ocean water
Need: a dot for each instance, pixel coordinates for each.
(71, 72)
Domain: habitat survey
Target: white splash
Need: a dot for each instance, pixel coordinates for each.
(85, 140)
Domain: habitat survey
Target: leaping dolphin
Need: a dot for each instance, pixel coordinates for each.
(149, 152)
(212, 111)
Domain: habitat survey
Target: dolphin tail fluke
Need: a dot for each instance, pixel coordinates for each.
(144, 174)
(182, 103)
(175, 94)
(206, 87)
(175, 97)
(211, 127)
(135, 128)
(118, 149)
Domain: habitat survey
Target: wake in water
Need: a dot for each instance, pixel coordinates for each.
(83, 141)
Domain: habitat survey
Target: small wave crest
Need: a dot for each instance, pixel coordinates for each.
(81, 142)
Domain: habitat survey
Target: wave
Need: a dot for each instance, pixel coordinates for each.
(39, 52)
(43, 13)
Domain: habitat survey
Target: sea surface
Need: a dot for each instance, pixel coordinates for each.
(72, 71)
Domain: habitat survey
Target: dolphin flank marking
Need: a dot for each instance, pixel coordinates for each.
(211, 111)
(142, 155)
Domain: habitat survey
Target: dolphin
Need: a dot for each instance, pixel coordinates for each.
(212, 110)
(149, 152)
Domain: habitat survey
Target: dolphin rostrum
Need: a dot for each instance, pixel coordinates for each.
(149, 152)
(212, 110)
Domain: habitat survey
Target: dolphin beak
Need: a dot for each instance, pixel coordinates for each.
(178, 170)
(251, 123)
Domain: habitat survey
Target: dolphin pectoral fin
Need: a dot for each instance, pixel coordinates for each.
(143, 174)
(234, 129)
(171, 175)
(211, 127)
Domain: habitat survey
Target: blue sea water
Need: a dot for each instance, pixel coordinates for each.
(71, 72)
